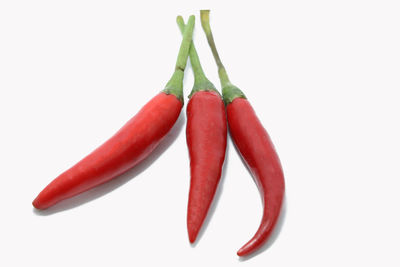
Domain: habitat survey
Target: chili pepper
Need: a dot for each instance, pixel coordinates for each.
(206, 132)
(255, 147)
(130, 145)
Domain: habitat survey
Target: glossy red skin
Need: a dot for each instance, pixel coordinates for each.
(258, 152)
(206, 132)
(130, 145)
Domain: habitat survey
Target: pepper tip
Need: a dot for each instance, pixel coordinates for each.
(243, 251)
(38, 205)
(35, 204)
(192, 237)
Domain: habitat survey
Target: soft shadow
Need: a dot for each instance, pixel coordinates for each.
(274, 235)
(217, 196)
(110, 186)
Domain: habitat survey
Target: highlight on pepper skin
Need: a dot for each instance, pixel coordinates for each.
(255, 148)
(130, 145)
(209, 114)
(206, 133)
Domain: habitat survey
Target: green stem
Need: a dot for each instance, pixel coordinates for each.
(175, 84)
(229, 91)
(205, 23)
(201, 83)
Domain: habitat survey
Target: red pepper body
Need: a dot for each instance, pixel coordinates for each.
(258, 152)
(131, 144)
(206, 138)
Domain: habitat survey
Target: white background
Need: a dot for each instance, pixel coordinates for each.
(323, 76)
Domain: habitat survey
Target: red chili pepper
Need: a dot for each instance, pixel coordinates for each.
(206, 132)
(255, 147)
(130, 145)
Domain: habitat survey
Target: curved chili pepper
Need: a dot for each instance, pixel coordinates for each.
(130, 145)
(255, 147)
(206, 132)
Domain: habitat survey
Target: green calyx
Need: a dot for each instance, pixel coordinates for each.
(230, 93)
(175, 84)
(205, 85)
(201, 83)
